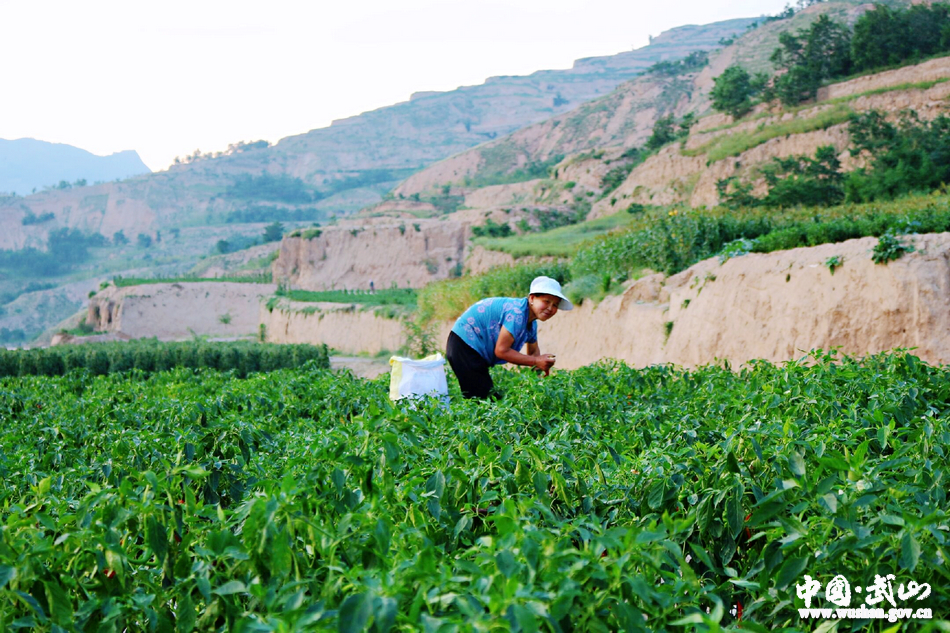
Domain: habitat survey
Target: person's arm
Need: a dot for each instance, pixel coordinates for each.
(503, 350)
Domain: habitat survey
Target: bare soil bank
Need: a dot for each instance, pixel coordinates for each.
(775, 306)
(179, 310)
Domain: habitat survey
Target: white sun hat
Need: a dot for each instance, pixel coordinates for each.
(547, 286)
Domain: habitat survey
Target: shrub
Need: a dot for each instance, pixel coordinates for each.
(889, 248)
(800, 180)
(833, 262)
(908, 156)
(734, 90)
(492, 229)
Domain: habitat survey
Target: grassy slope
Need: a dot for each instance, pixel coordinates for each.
(560, 242)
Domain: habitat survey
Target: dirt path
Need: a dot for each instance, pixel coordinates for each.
(360, 366)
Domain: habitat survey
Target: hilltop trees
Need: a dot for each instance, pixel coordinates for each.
(828, 50)
(885, 36)
(809, 57)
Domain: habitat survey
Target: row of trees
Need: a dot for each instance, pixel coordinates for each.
(829, 50)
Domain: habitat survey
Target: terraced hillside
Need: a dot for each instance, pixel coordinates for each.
(299, 180)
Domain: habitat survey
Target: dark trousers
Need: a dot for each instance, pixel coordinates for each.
(469, 367)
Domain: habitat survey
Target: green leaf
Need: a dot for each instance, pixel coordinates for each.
(7, 574)
(436, 484)
(196, 472)
(797, 464)
(464, 523)
(157, 538)
(618, 460)
(703, 556)
(656, 495)
(828, 626)
(790, 570)
(231, 587)
(507, 564)
(280, 555)
(910, 552)
(32, 602)
(60, 608)
(385, 618)
(185, 616)
(732, 464)
(692, 618)
(829, 501)
(834, 461)
(383, 535)
(734, 510)
(525, 618)
(355, 612)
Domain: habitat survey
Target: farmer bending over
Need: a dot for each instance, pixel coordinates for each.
(493, 331)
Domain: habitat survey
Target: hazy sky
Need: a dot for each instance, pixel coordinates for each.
(166, 78)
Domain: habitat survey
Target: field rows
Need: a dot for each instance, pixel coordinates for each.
(601, 499)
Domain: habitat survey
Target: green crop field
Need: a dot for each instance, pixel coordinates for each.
(601, 499)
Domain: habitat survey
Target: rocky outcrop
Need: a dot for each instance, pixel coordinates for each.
(405, 254)
(179, 310)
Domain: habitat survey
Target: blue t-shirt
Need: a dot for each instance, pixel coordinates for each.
(480, 325)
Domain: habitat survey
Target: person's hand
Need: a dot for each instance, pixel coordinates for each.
(544, 363)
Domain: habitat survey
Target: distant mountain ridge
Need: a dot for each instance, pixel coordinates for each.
(28, 163)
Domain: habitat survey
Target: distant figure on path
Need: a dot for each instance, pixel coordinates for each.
(493, 331)
(372, 288)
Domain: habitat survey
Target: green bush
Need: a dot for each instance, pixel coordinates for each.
(889, 248)
(909, 156)
(97, 360)
(50, 363)
(671, 244)
(887, 36)
(492, 229)
(675, 242)
(9, 362)
(810, 57)
(734, 90)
